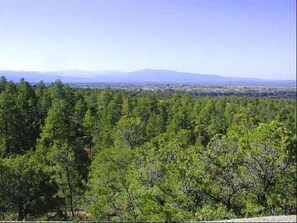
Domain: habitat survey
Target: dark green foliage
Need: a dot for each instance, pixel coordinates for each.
(113, 155)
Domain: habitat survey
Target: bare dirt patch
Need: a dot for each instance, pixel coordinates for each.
(283, 218)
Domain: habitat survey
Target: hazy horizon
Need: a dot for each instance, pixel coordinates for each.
(113, 73)
(246, 38)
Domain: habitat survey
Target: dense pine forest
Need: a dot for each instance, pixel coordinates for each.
(114, 155)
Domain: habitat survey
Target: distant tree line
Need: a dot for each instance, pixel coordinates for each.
(113, 155)
(203, 91)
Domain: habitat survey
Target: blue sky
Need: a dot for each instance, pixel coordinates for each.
(250, 38)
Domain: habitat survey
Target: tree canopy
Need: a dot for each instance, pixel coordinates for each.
(114, 155)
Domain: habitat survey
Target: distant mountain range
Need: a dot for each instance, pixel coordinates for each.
(138, 77)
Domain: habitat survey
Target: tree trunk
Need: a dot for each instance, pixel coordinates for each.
(71, 192)
(21, 213)
(6, 135)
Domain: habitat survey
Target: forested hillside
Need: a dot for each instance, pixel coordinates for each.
(102, 154)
